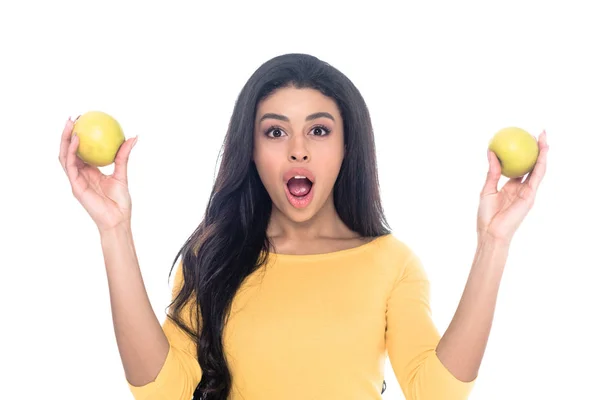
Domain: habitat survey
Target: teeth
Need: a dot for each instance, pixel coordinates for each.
(299, 177)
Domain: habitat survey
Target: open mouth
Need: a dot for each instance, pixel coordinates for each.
(299, 186)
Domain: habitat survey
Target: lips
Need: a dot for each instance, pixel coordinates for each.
(298, 186)
(298, 172)
(299, 181)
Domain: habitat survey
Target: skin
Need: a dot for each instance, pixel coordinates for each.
(501, 212)
(298, 142)
(142, 344)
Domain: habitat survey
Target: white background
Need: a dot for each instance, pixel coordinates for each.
(439, 78)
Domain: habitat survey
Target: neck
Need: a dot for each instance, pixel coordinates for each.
(326, 223)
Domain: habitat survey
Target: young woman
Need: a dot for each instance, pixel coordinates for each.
(293, 287)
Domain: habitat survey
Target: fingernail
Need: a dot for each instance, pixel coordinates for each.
(134, 142)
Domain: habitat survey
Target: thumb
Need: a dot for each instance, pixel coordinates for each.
(122, 159)
(493, 174)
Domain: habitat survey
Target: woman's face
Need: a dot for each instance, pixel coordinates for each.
(298, 150)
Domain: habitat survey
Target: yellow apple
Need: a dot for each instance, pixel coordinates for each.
(100, 137)
(516, 149)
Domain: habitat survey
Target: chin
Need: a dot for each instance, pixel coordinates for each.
(300, 218)
(295, 215)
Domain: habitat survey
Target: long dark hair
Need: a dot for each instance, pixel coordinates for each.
(231, 242)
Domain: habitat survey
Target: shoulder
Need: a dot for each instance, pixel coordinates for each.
(392, 248)
(397, 257)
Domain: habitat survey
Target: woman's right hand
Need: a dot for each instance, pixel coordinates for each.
(105, 198)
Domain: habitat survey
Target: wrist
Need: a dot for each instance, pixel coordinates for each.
(495, 247)
(491, 253)
(489, 240)
(118, 246)
(119, 231)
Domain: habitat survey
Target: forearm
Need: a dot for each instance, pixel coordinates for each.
(462, 346)
(142, 344)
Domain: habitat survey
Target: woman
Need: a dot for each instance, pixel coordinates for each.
(293, 286)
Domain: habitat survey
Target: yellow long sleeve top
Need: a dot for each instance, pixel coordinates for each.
(319, 327)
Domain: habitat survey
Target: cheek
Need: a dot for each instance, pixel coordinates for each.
(326, 164)
(267, 166)
(330, 158)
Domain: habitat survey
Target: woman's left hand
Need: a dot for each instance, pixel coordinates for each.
(501, 212)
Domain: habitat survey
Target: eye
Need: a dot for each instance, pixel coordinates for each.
(274, 132)
(321, 131)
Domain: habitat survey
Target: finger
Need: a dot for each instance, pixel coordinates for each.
(539, 170)
(71, 166)
(65, 141)
(122, 159)
(493, 175)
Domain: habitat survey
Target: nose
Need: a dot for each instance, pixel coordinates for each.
(298, 157)
(298, 151)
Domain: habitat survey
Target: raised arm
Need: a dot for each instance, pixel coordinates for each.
(159, 361)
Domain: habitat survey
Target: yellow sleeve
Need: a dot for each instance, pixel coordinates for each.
(180, 374)
(411, 339)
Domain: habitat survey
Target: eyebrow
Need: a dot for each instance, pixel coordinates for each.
(311, 117)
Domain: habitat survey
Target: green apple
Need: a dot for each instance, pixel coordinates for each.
(100, 137)
(516, 149)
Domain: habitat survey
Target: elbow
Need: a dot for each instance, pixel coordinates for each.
(177, 379)
(431, 380)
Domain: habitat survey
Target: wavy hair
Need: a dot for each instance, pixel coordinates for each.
(231, 242)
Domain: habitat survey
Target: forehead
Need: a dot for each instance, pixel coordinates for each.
(296, 103)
